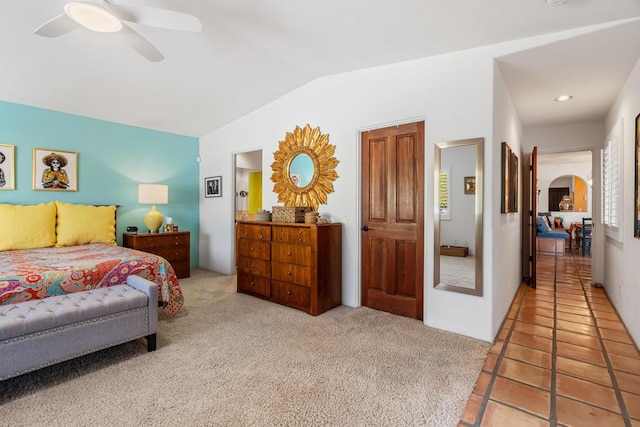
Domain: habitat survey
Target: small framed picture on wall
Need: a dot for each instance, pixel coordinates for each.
(7, 162)
(213, 186)
(55, 170)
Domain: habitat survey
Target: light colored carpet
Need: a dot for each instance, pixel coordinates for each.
(229, 359)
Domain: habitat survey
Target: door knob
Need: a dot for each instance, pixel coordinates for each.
(365, 228)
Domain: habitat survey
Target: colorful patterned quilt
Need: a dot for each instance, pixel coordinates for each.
(40, 273)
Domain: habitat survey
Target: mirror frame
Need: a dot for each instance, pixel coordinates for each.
(316, 145)
(479, 144)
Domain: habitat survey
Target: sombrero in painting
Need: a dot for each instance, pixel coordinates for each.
(59, 157)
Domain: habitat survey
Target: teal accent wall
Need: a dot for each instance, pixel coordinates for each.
(112, 160)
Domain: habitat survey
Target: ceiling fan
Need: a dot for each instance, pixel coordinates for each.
(105, 17)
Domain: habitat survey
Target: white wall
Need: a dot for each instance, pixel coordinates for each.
(621, 259)
(503, 232)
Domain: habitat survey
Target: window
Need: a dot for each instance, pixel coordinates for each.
(612, 183)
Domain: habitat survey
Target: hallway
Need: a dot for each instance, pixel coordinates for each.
(562, 357)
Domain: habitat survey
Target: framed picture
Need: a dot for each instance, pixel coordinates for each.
(213, 186)
(469, 185)
(7, 172)
(55, 170)
(513, 183)
(506, 178)
(636, 224)
(509, 187)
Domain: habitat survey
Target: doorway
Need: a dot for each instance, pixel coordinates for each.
(392, 236)
(248, 184)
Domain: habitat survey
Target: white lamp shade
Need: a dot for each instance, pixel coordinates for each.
(153, 194)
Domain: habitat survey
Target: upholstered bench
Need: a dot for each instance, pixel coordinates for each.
(43, 332)
(552, 242)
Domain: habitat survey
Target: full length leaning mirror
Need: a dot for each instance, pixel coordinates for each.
(458, 186)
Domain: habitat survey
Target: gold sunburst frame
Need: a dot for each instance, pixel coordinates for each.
(316, 145)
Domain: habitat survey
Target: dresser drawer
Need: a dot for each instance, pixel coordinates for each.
(254, 284)
(291, 254)
(162, 241)
(291, 273)
(291, 234)
(291, 295)
(172, 254)
(256, 232)
(255, 266)
(255, 249)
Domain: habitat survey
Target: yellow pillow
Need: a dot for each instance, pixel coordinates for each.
(27, 226)
(84, 224)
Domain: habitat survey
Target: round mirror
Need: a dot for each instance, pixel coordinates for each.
(301, 170)
(304, 168)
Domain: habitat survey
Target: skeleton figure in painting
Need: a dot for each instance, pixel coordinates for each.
(55, 176)
(2, 180)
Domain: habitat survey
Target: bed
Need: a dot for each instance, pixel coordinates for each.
(39, 273)
(58, 248)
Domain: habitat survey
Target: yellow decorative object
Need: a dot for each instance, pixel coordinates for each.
(312, 191)
(153, 193)
(28, 226)
(85, 224)
(153, 219)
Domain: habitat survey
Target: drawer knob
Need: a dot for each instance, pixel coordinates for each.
(261, 236)
(288, 292)
(253, 283)
(252, 249)
(289, 273)
(289, 253)
(300, 239)
(253, 266)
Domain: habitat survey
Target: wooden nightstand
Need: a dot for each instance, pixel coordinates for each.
(174, 247)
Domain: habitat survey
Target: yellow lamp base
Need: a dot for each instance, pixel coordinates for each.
(153, 220)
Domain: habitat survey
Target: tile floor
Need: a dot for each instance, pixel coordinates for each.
(562, 357)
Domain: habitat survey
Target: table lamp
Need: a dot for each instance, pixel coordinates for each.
(153, 193)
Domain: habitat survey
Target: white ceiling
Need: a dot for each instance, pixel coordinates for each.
(251, 52)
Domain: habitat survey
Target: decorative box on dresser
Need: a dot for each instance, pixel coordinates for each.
(294, 264)
(172, 246)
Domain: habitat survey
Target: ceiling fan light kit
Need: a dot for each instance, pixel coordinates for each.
(103, 16)
(93, 17)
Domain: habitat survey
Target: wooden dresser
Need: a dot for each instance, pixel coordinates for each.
(174, 247)
(294, 264)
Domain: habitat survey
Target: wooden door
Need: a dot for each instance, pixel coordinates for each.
(534, 214)
(529, 213)
(393, 219)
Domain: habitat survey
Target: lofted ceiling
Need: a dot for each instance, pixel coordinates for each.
(251, 52)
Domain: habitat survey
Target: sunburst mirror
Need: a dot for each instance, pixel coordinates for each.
(304, 168)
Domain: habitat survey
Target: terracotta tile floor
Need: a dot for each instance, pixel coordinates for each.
(562, 358)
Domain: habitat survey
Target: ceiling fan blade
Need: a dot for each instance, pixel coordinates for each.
(154, 17)
(140, 44)
(56, 26)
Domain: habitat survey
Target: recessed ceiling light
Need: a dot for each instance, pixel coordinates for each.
(93, 17)
(556, 2)
(563, 98)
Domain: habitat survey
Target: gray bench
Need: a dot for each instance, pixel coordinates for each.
(39, 333)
